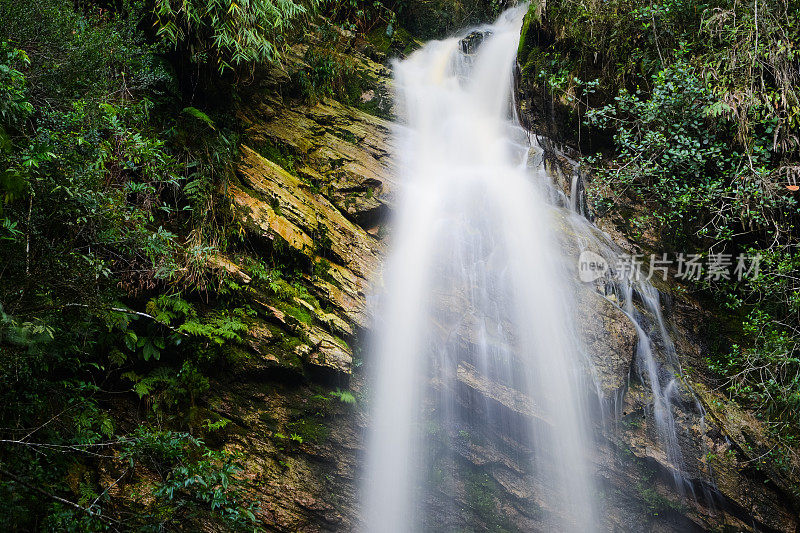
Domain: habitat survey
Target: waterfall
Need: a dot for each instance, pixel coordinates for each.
(473, 286)
(475, 326)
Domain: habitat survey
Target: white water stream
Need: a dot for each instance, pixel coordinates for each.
(477, 297)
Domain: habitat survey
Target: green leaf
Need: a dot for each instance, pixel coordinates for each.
(196, 113)
(150, 351)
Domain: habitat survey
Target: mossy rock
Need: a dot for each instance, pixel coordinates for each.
(309, 429)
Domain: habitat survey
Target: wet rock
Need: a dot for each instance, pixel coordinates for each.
(436, 19)
(610, 340)
(223, 264)
(469, 44)
(273, 204)
(267, 357)
(742, 445)
(477, 385)
(342, 150)
(286, 206)
(327, 355)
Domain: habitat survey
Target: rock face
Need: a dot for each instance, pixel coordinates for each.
(610, 337)
(342, 150)
(273, 204)
(315, 182)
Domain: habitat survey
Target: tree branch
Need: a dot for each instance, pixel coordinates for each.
(131, 312)
(56, 498)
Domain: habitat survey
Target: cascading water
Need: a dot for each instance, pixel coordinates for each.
(657, 366)
(477, 296)
(473, 284)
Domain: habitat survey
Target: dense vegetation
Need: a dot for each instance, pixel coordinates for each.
(116, 143)
(694, 108)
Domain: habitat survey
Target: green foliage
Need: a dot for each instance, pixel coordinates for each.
(670, 155)
(308, 430)
(14, 105)
(220, 327)
(745, 51)
(346, 397)
(102, 165)
(199, 115)
(227, 33)
(328, 74)
(115, 159)
(92, 165)
(14, 109)
(278, 156)
(674, 153)
(702, 101)
(430, 19)
(191, 474)
(365, 15)
(763, 369)
(165, 389)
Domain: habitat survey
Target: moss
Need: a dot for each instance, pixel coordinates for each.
(289, 296)
(341, 342)
(373, 107)
(287, 291)
(322, 270)
(354, 86)
(299, 313)
(632, 421)
(268, 419)
(397, 42)
(276, 154)
(379, 39)
(318, 405)
(329, 73)
(349, 136)
(309, 429)
(657, 504)
(289, 342)
(434, 19)
(323, 243)
(525, 38)
(286, 354)
(436, 477)
(234, 354)
(481, 496)
(533, 63)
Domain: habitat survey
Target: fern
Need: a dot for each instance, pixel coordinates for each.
(344, 396)
(166, 308)
(217, 328)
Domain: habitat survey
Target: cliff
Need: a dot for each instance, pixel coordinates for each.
(316, 182)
